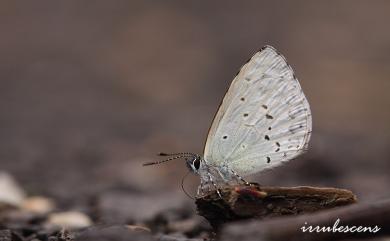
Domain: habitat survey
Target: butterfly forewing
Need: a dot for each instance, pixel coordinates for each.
(264, 118)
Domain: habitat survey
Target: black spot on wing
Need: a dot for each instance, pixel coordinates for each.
(268, 116)
(268, 159)
(266, 137)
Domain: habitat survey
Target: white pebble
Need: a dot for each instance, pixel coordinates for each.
(10, 192)
(69, 220)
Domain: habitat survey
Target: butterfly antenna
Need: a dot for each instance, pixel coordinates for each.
(174, 156)
(159, 162)
(182, 186)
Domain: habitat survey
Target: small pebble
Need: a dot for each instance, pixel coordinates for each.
(38, 205)
(69, 220)
(11, 193)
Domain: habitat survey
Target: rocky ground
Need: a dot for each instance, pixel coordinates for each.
(113, 215)
(122, 214)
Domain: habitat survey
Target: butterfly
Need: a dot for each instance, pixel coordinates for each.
(263, 121)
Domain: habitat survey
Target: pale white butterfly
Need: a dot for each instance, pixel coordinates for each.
(263, 121)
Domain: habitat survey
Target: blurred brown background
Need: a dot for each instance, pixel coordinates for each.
(90, 90)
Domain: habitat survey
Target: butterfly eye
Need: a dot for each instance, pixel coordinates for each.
(196, 163)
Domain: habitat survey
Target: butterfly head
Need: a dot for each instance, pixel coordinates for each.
(194, 163)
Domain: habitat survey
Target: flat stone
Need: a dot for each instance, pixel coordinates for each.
(248, 202)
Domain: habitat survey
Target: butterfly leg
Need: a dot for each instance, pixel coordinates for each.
(200, 189)
(239, 177)
(215, 185)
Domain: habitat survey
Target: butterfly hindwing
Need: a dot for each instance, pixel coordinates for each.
(264, 118)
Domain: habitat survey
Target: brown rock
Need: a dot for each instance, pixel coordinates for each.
(244, 202)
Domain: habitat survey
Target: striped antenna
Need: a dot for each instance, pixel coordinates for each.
(176, 156)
